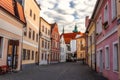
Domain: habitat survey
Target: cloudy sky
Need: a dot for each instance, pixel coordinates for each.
(67, 13)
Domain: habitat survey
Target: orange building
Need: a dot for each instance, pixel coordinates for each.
(12, 22)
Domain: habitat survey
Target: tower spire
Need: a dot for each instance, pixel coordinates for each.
(63, 30)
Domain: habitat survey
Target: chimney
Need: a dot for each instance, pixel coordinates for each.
(86, 21)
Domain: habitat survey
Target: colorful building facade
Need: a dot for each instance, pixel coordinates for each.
(31, 33)
(12, 22)
(45, 42)
(91, 54)
(105, 15)
(81, 47)
(55, 44)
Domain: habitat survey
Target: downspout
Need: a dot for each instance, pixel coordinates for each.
(39, 36)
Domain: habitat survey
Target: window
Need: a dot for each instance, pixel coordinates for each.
(68, 48)
(1, 46)
(34, 17)
(46, 30)
(99, 25)
(42, 43)
(106, 13)
(45, 56)
(36, 37)
(115, 56)
(25, 32)
(45, 44)
(28, 54)
(32, 55)
(48, 45)
(24, 54)
(107, 58)
(42, 28)
(30, 12)
(30, 32)
(33, 35)
(114, 11)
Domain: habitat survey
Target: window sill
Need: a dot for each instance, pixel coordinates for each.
(116, 71)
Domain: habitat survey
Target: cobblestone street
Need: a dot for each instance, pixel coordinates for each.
(61, 71)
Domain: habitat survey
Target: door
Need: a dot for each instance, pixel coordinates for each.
(101, 61)
(36, 58)
(12, 56)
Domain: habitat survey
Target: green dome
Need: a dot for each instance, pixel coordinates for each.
(75, 29)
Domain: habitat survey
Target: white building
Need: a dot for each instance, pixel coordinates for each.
(62, 49)
(73, 46)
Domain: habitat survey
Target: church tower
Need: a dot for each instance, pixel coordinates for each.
(75, 29)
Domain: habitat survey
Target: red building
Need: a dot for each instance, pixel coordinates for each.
(55, 44)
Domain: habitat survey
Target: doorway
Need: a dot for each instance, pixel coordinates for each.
(12, 55)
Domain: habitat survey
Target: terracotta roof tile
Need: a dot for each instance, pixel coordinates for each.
(21, 12)
(8, 5)
(12, 6)
(69, 36)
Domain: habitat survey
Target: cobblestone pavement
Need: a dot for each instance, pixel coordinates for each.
(61, 71)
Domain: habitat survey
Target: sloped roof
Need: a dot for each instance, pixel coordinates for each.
(13, 7)
(69, 36)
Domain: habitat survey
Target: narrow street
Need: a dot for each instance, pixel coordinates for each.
(61, 71)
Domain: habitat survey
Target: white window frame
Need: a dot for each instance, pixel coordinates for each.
(114, 9)
(2, 50)
(106, 14)
(114, 69)
(98, 56)
(107, 63)
(99, 26)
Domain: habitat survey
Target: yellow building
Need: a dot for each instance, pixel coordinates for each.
(91, 44)
(31, 33)
(12, 22)
(45, 42)
(81, 47)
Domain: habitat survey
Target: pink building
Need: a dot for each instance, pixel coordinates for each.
(106, 38)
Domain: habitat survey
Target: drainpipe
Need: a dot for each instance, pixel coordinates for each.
(39, 36)
(95, 47)
(23, 29)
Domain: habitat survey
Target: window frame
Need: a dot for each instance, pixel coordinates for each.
(24, 54)
(31, 12)
(30, 33)
(113, 9)
(107, 67)
(115, 70)
(32, 57)
(33, 37)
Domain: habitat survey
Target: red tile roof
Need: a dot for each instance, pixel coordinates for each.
(70, 36)
(12, 6)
